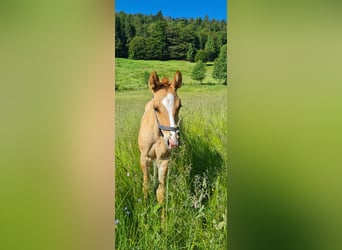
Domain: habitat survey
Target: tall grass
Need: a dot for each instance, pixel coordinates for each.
(196, 207)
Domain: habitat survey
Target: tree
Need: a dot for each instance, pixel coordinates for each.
(190, 54)
(129, 29)
(120, 38)
(156, 44)
(201, 55)
(137, 48)
(220, 65)
(169, 38)
(159, 16)
(179, 35)
(202, 38)
(198, 72)
(210, 48)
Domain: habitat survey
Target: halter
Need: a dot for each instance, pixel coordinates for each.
(165, 128)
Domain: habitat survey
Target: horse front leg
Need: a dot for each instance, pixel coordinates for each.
(145, 164)
(162, 174)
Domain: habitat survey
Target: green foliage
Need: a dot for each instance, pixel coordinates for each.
(201, 55)
(137, 48)
(210, 48)
(120, 39)
(196, 188)
(156, 45)
(120, 48)
(178, 52)
(190, 54)
(167, 38)
(159, 16)
(221, 39)
(198, 72)
(220, 66)
(129, 31)
(202, 39)
(179, 36)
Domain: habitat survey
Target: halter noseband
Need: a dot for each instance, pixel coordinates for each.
(165, 128)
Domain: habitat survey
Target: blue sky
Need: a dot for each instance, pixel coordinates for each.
(215, 9)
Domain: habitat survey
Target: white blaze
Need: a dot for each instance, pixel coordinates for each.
(168, 102)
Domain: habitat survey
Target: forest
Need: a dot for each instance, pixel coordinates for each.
(155, 37)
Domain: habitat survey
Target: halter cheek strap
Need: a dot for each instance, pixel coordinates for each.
(165, 128)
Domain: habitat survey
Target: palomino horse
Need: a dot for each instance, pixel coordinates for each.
(159, 132)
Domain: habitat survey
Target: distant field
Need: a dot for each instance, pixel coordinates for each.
(130, 74)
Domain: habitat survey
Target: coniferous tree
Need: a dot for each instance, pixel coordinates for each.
(202, 39)
(190, 54)
(169, 38)
(137, 48)
(129, 29)
(220, 65)
(198, 72)
(210, 48)
(179, 35)
(120, 39)
(159, 16)
(201, 55)
(173, 37)
(157, 47)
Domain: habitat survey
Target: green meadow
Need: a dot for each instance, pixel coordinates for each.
(196, 204)
(131, 74)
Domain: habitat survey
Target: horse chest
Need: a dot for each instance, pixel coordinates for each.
(159, 150)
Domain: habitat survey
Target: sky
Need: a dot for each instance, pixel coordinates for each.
(215, 9)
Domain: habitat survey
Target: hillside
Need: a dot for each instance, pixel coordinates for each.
(133, 74)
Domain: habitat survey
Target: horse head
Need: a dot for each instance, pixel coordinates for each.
(166, 105)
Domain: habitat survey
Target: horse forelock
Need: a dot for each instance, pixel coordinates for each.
(165, 81)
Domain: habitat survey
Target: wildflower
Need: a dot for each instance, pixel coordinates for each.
(117, 221)
(128, 174)
(127, 211)
(139, 200)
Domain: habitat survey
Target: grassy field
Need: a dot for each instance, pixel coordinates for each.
(197, 184)
(131, 74)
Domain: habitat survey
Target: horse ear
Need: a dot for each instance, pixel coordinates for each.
(153, 82)
(177, 80)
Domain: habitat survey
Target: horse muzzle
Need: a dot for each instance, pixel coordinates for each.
(172, 143)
